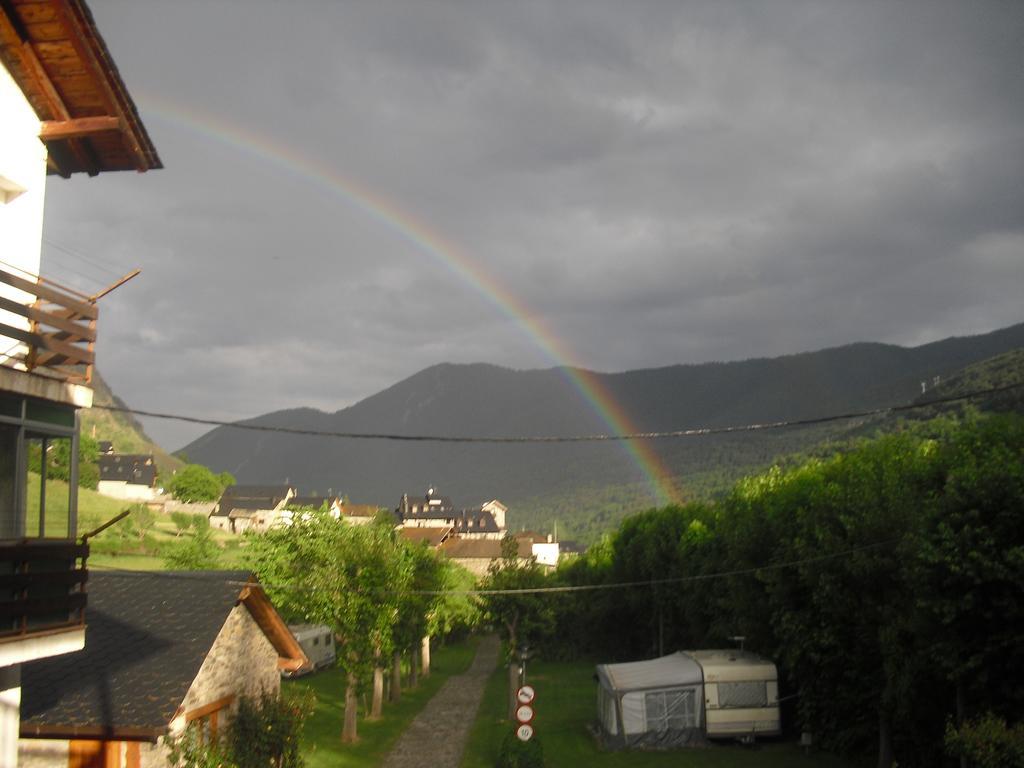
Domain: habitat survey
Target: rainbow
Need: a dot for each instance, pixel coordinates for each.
(446, 253)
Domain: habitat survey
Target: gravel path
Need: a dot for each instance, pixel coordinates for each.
(438, 735)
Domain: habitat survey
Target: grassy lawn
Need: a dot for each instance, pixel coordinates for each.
(321, 742)
(95, 509)
(566, 702)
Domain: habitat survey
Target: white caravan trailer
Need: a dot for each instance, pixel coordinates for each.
(741, 694)
(317, 643)
(678, 699)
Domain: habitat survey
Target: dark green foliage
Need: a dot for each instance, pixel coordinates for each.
(190, 750)
(266, 731)
(884, 580)
(520, 618)
(520, 754)
(987, 742)
(58, 465)
(540, 484)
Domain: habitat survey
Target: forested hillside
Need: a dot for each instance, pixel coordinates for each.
(576, 482)
(122, 429)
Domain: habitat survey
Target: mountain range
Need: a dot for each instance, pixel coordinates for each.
(488, 400)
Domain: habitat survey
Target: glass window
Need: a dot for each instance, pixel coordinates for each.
(742, 695)
(48, 504)
(671, 710)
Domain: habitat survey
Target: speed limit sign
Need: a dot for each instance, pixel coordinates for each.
(524, 732)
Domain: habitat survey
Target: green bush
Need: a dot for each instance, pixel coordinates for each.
(266, 731)
(520, 754)
(263, 732)
(987, 742)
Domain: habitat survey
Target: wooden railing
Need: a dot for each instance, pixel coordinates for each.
(61, 335)
(42, 587)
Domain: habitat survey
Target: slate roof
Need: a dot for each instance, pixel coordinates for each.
(279, 492)
(480, 548)
(475, 521)
(360, 510)
(147, 635)
(432, 537)
(132, 468)
(442, 507)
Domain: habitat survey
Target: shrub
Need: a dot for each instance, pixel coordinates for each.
(520, 754)
(266, 731)
(987, 742)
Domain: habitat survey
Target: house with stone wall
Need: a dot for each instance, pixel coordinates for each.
(166, 651)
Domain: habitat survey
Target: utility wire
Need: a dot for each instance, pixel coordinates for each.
(696, 432)
(650, 583)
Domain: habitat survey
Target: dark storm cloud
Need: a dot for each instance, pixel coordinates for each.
(657, 182)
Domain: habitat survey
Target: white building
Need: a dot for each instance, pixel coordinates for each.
(63, 110)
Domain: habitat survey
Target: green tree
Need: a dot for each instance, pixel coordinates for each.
(521, 618)
(182, 522)
(196, 552)
(325, 571)
(143, 520)
(195, 483)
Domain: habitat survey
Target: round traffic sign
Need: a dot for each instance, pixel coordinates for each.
(524, 732)
(524, 713)
(526, 694)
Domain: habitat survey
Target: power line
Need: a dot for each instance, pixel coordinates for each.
(539, 590)
(679, 433)
(94, 261)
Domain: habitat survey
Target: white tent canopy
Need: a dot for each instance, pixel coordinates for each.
(658, 702)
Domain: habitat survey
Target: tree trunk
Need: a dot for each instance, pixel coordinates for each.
(961, 713)
(513, 666)
(661, 631)
(513, 688)
(425, 655)
(349, 734)
(377, 704)
(884, 739)
(396, 677)
(414, 678)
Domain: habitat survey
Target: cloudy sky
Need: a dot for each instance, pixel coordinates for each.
(357, 190)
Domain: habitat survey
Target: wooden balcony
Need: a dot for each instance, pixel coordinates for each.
(42, 587)
(61, 334)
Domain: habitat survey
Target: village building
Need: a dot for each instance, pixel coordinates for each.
(360, 514)
(166, 651)
(257, 507)
(128, 476)
(475, 555)
(64, 110)
(432, 537)
(332, 504)
(436, 511)
(543, 547)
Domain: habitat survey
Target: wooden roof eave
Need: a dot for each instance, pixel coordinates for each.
(289, 652)
(67, 135)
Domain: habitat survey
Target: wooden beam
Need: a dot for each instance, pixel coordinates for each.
(43, 291)
(48, 318)
(210, 708)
